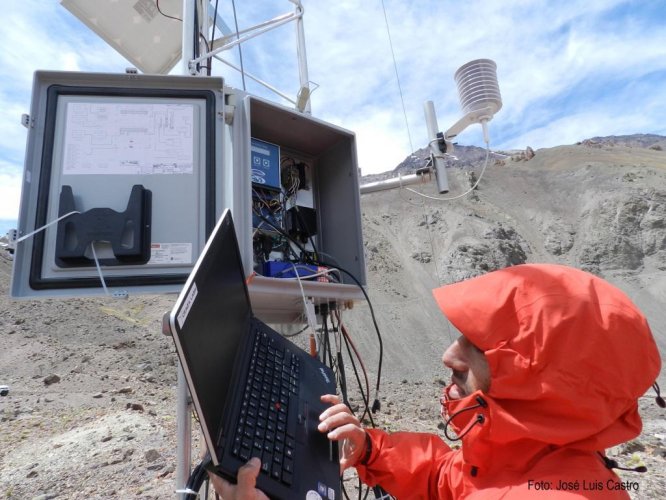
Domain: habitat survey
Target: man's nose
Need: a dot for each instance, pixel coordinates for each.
(450, 355)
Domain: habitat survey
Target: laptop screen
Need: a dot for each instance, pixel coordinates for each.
(213, 317)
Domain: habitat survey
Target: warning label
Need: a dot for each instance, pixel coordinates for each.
(170, 253)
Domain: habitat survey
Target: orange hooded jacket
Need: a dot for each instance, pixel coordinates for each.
(569, 356)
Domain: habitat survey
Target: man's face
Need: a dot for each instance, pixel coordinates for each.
(470, 368)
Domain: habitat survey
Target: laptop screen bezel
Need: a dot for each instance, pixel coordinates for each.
(223, 228)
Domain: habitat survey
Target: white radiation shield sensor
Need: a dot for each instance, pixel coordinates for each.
(479, 94)
(478, 88)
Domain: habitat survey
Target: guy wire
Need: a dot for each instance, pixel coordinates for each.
(397, 77)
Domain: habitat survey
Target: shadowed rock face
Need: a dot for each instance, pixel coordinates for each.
(598, 205)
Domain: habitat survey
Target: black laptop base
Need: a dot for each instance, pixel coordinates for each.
(277, 421)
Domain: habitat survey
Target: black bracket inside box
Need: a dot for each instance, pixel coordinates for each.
(128, 232)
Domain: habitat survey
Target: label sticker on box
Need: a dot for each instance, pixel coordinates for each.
(170, 253)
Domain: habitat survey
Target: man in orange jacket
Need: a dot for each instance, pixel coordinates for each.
(546, 376)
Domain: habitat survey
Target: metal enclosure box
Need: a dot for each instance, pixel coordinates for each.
(185, 145)
(93, 138)
(335, 184)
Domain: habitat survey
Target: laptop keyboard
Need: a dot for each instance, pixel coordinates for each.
(267, 423)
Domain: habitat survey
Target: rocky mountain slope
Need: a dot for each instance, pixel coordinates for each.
(91, 408)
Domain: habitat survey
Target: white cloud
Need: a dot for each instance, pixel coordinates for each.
(551, 62)
(565, 73)
(10, 191)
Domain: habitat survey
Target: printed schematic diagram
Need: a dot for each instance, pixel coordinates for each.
(125, 138)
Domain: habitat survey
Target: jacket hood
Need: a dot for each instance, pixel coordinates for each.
(569, 354)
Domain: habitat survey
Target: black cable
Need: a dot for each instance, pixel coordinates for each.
(196, 35)
(305, 226)
(327, 344)
(297, 333)
(212, 37)
(197, 478)
(342, 377)
(660, 401)
(379, 492)
(367, 490)
(206, 66)
(376, 405)
(157, 4)
(366, 398)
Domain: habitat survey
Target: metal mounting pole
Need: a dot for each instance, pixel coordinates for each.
(189, 29)
(302, 57)
(438, 161)
(183, 432)
(183, 401)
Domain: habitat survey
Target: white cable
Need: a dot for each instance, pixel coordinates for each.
(24, 237)
(99, 269)
(405, 199)
(460, 195)
(308, 312)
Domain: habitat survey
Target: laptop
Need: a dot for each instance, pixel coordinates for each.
(255, 392)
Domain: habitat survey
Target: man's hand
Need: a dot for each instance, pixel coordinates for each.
(245, 489)
(340, 425)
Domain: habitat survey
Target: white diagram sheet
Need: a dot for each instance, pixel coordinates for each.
(129, 139)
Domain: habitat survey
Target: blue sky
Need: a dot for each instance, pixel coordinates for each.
(567, 70)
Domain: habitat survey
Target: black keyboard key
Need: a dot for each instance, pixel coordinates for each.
(291, 417)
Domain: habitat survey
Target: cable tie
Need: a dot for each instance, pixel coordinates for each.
(187, 491)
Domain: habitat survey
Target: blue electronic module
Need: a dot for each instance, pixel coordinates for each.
(265, 158)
